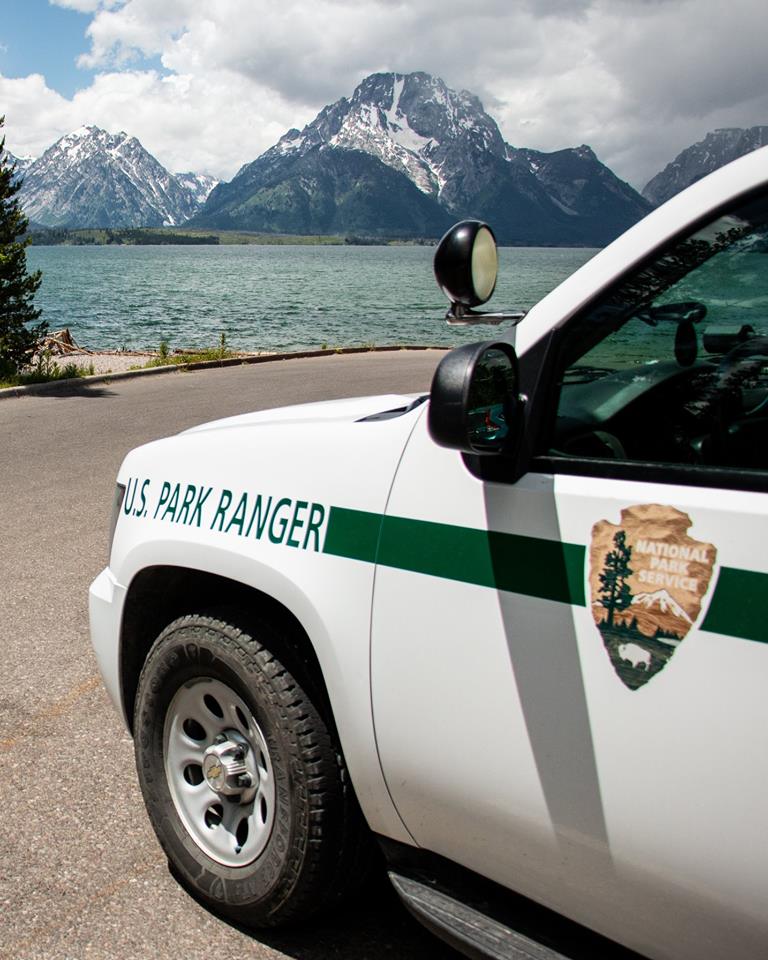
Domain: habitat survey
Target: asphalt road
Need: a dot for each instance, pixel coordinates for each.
(81, 874)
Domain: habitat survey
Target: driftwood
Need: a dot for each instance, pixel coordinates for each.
(61, 342)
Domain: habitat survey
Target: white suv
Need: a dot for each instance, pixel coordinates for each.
(515, 631)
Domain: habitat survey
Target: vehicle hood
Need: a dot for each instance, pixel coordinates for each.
(339, 453)
(327, 411)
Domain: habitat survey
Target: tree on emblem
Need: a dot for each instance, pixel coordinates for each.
(613, 579)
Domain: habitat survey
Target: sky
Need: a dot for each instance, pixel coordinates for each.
(208, 86)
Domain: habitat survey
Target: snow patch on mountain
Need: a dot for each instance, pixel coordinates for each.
(198, 185)
(381, 128)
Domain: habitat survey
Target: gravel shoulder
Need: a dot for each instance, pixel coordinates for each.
(117, 361)
(107, 361)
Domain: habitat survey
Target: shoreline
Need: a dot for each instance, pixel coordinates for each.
(124, 361)
(131, 368)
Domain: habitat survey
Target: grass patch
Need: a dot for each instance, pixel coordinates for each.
(46, 372)
(165, 358)
(203, 356)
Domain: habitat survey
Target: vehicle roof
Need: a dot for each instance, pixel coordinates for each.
(653, 231)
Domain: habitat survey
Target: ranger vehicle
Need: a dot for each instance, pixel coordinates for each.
(515, 631)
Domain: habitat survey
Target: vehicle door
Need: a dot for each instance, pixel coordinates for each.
(568, 670)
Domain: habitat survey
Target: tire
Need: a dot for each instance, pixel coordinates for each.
(243, 782)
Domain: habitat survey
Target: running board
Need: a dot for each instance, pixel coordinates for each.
(467, 929)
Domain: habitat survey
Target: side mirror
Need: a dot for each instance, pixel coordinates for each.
(475, 405)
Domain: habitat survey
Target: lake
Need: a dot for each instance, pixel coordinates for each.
(270, 297)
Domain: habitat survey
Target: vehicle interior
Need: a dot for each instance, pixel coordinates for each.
(672, 366)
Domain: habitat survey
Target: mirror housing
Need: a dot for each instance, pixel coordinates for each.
(466, 265)
(475, 405)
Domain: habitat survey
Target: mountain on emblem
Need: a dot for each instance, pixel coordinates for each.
(647, 581)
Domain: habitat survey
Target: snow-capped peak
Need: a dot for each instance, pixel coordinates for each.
(82, 132)
(92, 178)
(376, 121)
(442, 142)
(410, 121)
(22, 163)
(663, 601)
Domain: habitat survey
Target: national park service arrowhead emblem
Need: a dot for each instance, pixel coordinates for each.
(647, 580)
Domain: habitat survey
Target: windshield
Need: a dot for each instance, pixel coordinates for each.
(672, 364)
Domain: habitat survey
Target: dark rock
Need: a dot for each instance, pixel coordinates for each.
(715, 150)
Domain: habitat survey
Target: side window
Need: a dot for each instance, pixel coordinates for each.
(671, 367)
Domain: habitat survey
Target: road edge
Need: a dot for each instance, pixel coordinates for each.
(57, 386)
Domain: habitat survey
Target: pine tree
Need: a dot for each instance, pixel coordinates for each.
(18, 332)
(616, 572)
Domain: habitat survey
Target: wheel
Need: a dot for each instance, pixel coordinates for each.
(243, 783)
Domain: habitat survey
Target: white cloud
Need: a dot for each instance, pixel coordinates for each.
(187, 122)
(636, 79)
(33, 114)
(137, 28)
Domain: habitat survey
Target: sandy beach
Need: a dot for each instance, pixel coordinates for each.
(63, 350)
(108, 361)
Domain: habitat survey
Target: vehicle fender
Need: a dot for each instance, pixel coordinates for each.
(329, 592)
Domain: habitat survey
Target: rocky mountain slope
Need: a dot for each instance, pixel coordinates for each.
(715, 150)
(198, 185)
(324, 192)
(22, 163)
(418, 134)
(91, 178)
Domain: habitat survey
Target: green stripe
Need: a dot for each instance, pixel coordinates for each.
(353, 534)
(739, 606)
(547, 569)
(533, 567)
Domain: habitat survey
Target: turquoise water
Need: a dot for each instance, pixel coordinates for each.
(270, 297)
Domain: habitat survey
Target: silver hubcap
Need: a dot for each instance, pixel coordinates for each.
(225, 765)
(219, 772)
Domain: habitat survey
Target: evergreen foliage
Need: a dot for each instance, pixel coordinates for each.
(614, 586)
(18, 331)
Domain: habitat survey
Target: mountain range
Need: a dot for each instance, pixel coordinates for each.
(405, 156)
(91, 178)
(715, 150)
